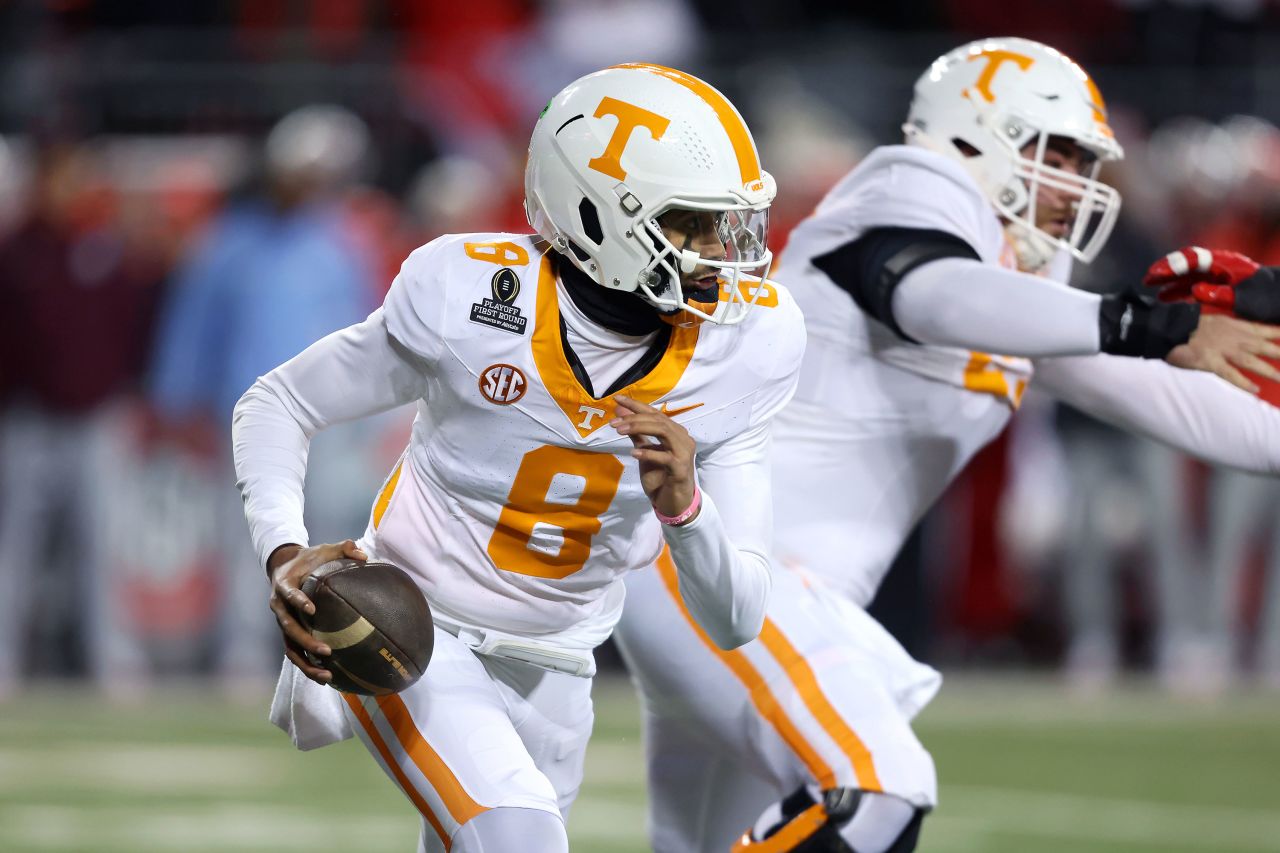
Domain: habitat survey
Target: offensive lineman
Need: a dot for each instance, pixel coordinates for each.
(915, 267)
(571, 385)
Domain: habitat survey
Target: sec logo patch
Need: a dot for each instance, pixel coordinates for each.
(502, 384)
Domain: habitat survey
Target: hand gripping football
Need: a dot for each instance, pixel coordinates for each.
(376, 621)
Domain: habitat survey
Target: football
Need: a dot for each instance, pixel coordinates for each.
(376, 621)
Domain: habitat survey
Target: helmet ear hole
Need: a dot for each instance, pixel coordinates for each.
(590, 221)
(965, 148)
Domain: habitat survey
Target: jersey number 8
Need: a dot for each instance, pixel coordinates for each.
(533, 518)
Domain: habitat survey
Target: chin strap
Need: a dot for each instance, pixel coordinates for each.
(1032, 250)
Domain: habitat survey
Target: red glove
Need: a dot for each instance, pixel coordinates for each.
(1222, 282)
(1179, 273)
(1226, 280)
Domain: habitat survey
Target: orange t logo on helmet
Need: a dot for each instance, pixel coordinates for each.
(996, 58)
(629, 118)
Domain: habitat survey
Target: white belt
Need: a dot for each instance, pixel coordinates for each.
(484, 641)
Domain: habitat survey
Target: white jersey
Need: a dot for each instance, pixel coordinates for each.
(517, 507)
(877, 429)
(879, 425)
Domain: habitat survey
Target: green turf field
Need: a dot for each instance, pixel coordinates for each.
(1023, 767)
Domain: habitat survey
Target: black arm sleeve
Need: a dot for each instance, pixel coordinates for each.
(870, 267)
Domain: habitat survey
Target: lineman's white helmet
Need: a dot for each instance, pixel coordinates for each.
(615, 150)
(997, 96)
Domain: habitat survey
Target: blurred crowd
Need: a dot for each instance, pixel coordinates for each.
(154, 261)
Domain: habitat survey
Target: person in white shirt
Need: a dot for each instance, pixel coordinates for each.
(932, 280)
(588, 397)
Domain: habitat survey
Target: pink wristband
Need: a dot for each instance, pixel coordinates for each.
(677, 520)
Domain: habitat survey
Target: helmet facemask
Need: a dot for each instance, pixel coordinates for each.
(1092, 206)
(741, 233)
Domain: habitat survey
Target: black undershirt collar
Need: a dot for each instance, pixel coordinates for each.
(616, 310)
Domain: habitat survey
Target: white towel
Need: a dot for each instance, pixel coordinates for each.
(312, 714)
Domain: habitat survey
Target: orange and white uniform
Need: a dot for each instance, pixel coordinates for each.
(517, 507)
(825, 694)
(879, 426)
(890, 420)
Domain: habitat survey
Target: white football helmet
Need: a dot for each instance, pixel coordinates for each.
(984, 102)
(615, 150)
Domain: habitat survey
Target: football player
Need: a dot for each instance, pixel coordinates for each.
(920, 266)
(587, 397)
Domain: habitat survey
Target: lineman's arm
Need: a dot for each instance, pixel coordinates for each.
(1191, 410)
(931, 287)
(962, 302)
(722, 555)
(352, 373)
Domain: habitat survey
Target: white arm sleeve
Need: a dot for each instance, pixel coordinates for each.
(1191, 410)
(722, 556)
(352, 373)
(960, 302)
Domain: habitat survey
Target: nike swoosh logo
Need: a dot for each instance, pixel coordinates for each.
(671, 413)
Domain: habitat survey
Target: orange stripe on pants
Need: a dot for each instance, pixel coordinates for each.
(806, 683)
(366, 722)
(456, 799)
(764, 700)
(803, 677)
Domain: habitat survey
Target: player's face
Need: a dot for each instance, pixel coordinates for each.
(701, 231)
(1056, 208)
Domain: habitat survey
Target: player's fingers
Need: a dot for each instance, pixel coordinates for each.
(638, 435)
(1199, 258)
(648, 420)
(316, 673)
(1221, 295)
(287, 591)
(657, 456)
(1175, 291)
(1253, 364)
(297, 633)
(350, 549)
(631, 404)
(1260, 331)
(654, 426)
(1162, 270)
(1267, 349)
(641, 440)
(1235, 377)
(1179, 263)
(331, 551)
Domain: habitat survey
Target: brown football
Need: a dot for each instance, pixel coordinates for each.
(377, 622)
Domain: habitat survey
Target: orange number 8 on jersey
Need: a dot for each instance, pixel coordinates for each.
(558, 493)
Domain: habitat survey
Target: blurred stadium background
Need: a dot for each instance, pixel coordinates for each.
(190, 193)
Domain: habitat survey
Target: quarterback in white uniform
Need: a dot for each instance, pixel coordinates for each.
(913, 273)
(588, 398)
